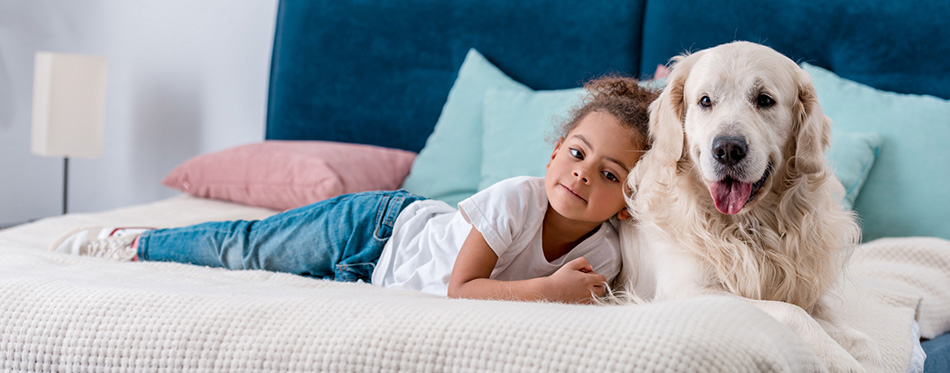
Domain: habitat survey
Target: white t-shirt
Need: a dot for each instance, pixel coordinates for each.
(428, 235)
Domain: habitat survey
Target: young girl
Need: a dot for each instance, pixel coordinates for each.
(523, 238)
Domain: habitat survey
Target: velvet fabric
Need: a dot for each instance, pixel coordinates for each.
(899, 46)
(379, 72)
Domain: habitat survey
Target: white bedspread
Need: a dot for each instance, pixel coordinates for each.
(66, 313)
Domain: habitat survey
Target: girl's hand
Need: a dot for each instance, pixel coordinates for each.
(576, 282)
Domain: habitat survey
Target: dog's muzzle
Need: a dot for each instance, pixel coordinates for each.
(730, 194)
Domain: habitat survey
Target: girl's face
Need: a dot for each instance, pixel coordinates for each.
(589, 167)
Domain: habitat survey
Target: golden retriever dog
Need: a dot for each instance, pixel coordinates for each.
(734, 197)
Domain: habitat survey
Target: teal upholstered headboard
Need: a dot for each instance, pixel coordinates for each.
(378, 72)
(899, 46)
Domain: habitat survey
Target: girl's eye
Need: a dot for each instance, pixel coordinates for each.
(577, 154)
(610, 176)
(705, 102)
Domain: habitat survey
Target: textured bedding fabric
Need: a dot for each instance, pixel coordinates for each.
(66, 313)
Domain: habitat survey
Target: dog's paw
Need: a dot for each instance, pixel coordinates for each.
(837, 356)
(864, 349)
(818, 334)
(837, 360)
(859, 345)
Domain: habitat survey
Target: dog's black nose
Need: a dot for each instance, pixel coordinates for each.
(729, 150)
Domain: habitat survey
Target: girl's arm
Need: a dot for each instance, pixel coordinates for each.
(575, 282)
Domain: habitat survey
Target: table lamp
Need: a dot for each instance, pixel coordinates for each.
(69, 99)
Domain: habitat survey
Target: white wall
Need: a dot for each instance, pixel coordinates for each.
(185, 77)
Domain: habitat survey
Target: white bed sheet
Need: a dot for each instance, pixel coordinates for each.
(61, 312)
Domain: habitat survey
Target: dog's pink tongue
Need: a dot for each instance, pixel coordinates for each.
(730, 196)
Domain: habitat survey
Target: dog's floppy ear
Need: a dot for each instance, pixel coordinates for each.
(668, 113)
(813, 128)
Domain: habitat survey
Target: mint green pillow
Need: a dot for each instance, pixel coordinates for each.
(851, 156)
(906, 192)
(447, 168)
(520, 131)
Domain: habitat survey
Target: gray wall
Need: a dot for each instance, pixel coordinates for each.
(185, 77)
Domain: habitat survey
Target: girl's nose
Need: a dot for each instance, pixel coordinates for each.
(581, 175)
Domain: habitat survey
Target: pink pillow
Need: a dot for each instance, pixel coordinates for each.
(661, 72)
(283, 175)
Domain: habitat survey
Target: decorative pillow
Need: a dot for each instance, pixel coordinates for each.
(519, 131)
(851, 156)
(661, 72)
(447, 168)
(283, 175)
(906, 191)
(519, 138)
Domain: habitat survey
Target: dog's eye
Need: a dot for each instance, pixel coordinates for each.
(705, 102)
(764, 101)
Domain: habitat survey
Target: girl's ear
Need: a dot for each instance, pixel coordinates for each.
(560, 140)
(623, 214)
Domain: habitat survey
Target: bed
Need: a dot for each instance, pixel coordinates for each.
(469, 85)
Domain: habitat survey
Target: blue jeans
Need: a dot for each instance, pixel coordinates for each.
(339, 238)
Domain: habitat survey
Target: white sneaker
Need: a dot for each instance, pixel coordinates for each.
(104, 242)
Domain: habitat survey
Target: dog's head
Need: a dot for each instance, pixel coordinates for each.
(741, 114)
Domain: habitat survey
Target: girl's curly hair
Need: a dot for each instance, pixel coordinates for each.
(621, 97)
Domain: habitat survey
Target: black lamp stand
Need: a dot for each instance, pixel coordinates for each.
(65, 182)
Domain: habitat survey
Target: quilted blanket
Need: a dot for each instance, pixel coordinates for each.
(66, 313)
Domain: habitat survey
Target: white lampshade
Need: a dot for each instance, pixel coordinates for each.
(69, 104)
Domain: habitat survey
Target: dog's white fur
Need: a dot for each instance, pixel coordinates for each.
(785, 247)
